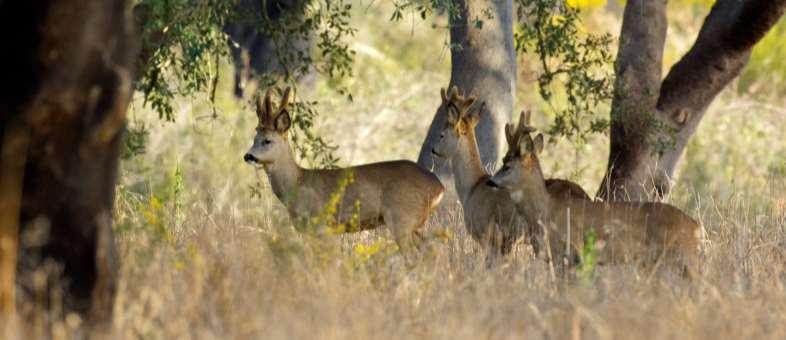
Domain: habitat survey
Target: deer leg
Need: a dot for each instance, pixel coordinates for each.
(402, 228)
(690, 262)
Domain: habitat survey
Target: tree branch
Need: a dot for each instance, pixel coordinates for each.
(720, 52)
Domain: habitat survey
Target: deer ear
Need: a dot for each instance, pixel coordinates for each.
(282, 122)
(537, 144)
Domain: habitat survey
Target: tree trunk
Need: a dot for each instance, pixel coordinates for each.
(483, 64)
(638, 70)
(652, 121)
(255, 53)
(68, 85)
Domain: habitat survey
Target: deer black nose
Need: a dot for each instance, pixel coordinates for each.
(492, 184)
(249, 158)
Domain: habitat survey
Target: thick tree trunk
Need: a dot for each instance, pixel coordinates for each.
(68, 84)
(483, 64)
(638, 70)
(255, 53)
(649, 133)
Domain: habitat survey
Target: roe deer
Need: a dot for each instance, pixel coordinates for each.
(626, 231)
(490, 215)
(399, 194)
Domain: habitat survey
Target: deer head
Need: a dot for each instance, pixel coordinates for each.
(521, 167)
(460, 123)
(271, 142)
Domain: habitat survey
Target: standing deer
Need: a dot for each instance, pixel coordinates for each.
(649, 232)
(399, 194)
(490, 215)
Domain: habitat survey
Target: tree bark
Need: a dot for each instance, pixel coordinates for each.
(483, 64)
(69, 78)
(254, 52)
(638, 71)
(651, 124)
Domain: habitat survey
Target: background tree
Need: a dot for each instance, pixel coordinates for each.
(652, 118)
(483, 64)
(63, 99)
(256, 53)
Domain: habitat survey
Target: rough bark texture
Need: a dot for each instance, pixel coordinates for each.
(638, 70)
(68, 81)
(253, 51)
(483, 66)
(643, 106)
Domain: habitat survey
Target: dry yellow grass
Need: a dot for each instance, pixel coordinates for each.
(231, 280)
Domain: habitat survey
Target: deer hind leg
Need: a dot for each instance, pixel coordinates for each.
(402, 227)
(690, 262)
(675, 257)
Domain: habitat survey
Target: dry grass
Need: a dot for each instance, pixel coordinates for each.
(230, 280)
(202, 258)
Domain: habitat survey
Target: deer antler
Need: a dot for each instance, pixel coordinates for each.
(510, 134)
(454, 93)
(459, 101)
(269, 101)
(261, 112)
(265, 106)
(514, 135)
(524, 122)
(285, 98)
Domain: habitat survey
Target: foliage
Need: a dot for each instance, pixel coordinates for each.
(424, 8)
(159, 212)
(183, 41)
(180, 38)
(308, 145)
(585, 271)
(568, 56)
(135, 141)
(327, 218)
(585, 3)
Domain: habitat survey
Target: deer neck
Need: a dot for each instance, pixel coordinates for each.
(284, 175)
(535, 203)
(467, 167)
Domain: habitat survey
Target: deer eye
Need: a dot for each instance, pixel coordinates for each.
(505, 168)
(266, 141)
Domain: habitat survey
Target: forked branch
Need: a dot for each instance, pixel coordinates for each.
(720, 52)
